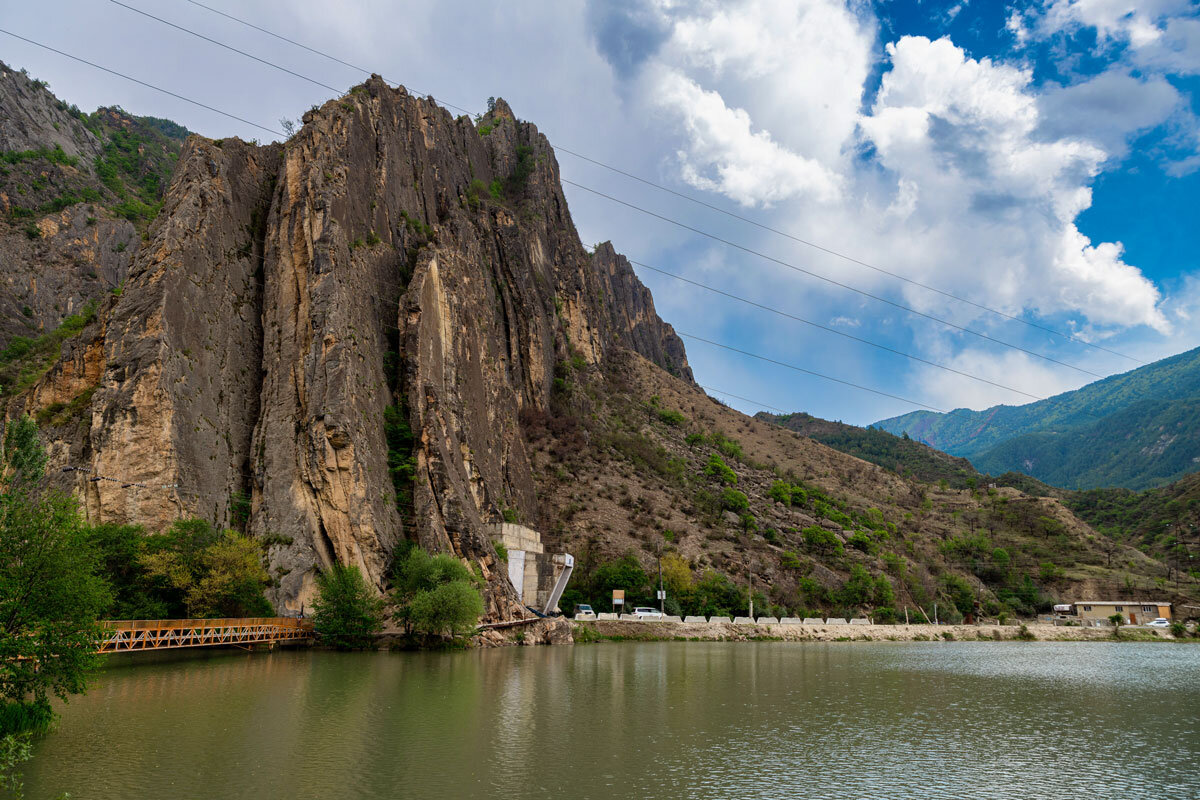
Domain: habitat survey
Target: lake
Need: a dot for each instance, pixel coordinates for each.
(641, 720)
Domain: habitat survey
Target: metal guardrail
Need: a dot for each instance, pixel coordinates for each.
(123, 636)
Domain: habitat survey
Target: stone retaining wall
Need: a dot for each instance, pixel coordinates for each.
(725, 630)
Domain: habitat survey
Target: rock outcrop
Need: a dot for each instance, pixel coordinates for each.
(345, 330)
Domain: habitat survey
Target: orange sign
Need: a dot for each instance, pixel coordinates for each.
(618, 597)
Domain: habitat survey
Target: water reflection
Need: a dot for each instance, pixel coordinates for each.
(662, 720)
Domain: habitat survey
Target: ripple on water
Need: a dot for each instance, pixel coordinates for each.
(663, 720)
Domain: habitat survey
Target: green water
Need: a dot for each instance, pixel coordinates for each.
(654, 720)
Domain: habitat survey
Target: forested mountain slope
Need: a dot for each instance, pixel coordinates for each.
(1134, 430)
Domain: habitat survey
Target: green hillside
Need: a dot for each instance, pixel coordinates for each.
(1148, 444)
(900, 454)
(1163, 522)
(1134, 430)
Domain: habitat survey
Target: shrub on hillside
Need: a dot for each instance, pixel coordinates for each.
(820, 540)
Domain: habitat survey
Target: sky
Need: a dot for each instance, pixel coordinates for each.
(1026, 172)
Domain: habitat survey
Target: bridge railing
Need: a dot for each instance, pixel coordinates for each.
(166, 634)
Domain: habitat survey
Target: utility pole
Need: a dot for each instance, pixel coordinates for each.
(935, 618)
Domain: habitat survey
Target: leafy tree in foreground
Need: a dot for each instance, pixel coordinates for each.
(347, 613)
(435, 594)
(50, 593)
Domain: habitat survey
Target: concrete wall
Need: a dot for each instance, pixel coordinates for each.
(532, 572)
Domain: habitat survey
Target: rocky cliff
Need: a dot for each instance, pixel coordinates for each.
(75, 191)
(344, 331)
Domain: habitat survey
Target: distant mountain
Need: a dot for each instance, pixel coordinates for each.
(1136, 430)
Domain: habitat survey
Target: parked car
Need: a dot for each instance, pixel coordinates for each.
(1158, 623)
(584, 611)
(644, 612)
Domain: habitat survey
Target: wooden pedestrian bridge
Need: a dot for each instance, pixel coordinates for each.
(134, 635)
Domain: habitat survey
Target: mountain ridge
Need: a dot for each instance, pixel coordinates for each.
(1084, 422)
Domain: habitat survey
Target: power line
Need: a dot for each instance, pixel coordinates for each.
(691, 199)
(739, 397)
(810, 372)
(624, 203)
(226, 46)
(142, 83)
(753, 355)
(818, 276)
(834, 330)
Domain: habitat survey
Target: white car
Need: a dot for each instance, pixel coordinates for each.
(1158, 623)
(584, 611)
(644, 612)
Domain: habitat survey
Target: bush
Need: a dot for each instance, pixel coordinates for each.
(1178, 630)
(717, 468)
(789, 560)
(885, 616)
(435, 594)
(863, 542)
(823, 541)
(735, 501)
(672, 417)
(449, 609)
(347, 613)
(781, 491)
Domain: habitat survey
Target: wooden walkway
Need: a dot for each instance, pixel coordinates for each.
(123, 636)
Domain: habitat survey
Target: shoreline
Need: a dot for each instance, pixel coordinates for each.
(628, 630)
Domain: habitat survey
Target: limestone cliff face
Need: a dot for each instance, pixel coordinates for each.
(309, 324)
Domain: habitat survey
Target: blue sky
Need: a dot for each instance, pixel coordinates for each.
(1042, 159)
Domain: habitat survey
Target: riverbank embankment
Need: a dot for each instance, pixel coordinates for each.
(620, 630)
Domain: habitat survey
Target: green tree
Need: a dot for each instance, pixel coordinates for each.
(677, 576)
(119, 549)
(50, 593)
(624, 573)
(960, 592)
(716, 595)
(202, 571)
(347, 613)
(435, 594)
(735, 501)
(823, 541)
(859, 588)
